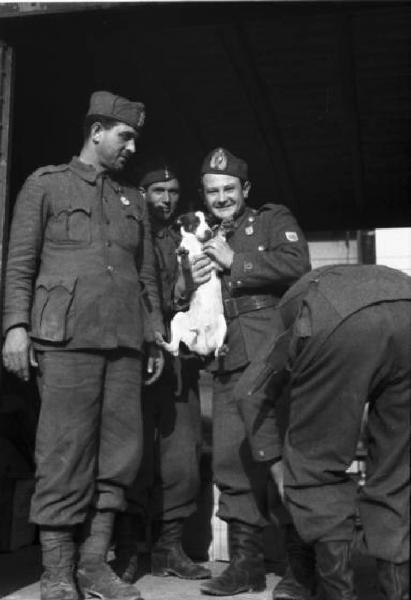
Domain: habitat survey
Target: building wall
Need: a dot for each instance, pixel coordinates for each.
(393, 248)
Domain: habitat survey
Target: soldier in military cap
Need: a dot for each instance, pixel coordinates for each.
(261, 253)
(168, 482)
(80, 261)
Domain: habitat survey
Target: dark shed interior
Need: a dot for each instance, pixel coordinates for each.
(315, 95)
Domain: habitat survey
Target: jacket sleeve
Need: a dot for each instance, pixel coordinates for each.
(148, 278)
(279, 262)
(260, 393)
(26, 238)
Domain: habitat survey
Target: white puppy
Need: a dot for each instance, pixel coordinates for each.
(202, 328)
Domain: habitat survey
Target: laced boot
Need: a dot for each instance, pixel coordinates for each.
(168, 556)
(129, 531)
(394, 580)
(246, 570)
(334, 569)
(94, 576)
(57, 547)
(298, 582)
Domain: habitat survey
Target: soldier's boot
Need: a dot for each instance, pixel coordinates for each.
(168, 556)
(57, 548)
(334, 569)
(299, 581)
(95, 578)
(129, 533)
(246, 570)
(394, 580)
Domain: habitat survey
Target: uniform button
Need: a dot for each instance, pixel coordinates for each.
(261, 248)
(261, 453)
(229, 284)
(107, 221)
(239, 282)
(248, 266)
(110, 268)
(251, 219)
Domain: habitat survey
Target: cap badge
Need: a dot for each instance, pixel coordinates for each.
(141, 119)
(125, 201)
(218, 160)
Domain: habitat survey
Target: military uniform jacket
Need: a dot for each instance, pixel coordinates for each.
(324, 303)
(270, 254)
(80, 253)
(166, 241)
(313, 308)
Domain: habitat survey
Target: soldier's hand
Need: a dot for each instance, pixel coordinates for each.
(201, 268)
(218, 249)
(18, 353)
(277, 473)
(155, 364)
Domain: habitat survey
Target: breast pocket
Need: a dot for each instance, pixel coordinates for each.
(131, 228)
(70, 224)
(52, 317)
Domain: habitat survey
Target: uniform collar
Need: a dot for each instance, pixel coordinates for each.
(239, 220)
(88, 173)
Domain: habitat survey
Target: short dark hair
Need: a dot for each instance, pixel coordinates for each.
(106, 123)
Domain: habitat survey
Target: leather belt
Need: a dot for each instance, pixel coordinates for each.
(244, 304)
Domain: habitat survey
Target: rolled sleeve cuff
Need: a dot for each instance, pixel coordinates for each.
(15, 320)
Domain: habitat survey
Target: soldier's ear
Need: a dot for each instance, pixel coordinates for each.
(96, 132)
(142, 191)
(246, 188)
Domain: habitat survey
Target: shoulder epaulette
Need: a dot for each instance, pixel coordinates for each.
(50, 169)
(267, 206)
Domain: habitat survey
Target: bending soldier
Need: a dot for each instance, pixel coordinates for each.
(346, 340)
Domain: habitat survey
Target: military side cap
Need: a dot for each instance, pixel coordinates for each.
(222, 162)
(106, 104)
(155, 172)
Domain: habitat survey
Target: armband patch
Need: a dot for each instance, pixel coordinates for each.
(291, 236)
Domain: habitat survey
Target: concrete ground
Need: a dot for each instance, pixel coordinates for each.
(20, 572)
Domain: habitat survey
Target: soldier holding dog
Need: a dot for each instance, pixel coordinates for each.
(262, 253)
(165, 490)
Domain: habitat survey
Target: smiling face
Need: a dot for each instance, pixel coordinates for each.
(114, 146)
(162, 198)
(224, 195)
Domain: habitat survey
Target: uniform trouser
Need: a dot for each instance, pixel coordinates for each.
(89, 436)
(368, 357)
(168, 482)
(242, 481)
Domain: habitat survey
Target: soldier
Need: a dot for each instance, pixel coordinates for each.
(81, 240)
(346, 340)
(263, 254)
(168, 482)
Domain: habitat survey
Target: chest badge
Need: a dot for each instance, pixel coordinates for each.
(249, 230)
(125, 201)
